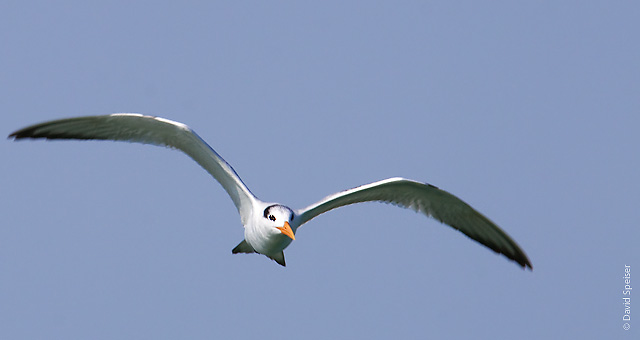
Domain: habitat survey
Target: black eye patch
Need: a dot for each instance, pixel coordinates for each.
(266, 212)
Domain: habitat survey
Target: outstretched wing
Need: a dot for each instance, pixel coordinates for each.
(137, 128)
(430, 201)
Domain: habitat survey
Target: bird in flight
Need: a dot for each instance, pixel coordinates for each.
(270, 227)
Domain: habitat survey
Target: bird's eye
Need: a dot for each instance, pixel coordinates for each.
(271, 217)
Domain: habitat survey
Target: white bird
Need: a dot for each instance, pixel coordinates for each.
(270, 227)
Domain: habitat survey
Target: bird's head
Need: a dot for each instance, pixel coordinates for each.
(279, 217)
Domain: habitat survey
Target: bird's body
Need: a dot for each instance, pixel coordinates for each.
(269, 228)
(266, 233)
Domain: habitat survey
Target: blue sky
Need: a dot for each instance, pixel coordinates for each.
(527, 111)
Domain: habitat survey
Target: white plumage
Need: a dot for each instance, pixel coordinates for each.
(270, 227)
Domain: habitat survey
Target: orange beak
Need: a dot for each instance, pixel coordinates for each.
(286, 229)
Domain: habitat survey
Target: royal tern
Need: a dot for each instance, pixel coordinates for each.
(270, 227)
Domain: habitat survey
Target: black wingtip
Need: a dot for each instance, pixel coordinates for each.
(24, 133)
(523, 261)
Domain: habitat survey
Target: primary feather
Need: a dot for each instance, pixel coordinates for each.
(429, 200)
(137, 128)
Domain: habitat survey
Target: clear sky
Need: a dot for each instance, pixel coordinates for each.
(529, 111)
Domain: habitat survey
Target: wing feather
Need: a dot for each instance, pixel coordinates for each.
(137, 128)
(429, 200)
